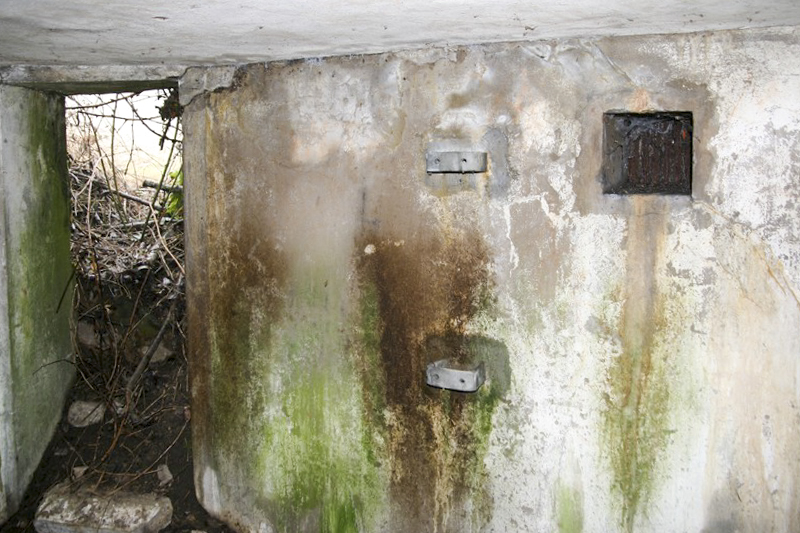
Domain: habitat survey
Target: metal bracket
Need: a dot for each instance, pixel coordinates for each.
(455, 162)
(443, 376)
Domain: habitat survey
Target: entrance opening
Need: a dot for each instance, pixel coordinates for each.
(126, 421)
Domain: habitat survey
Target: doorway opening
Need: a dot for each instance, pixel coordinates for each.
(126, 422)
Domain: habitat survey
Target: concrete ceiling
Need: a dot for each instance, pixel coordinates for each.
(195, 32)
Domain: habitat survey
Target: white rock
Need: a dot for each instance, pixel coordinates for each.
(164, 475)
(64, 510)
(161, 354)
(119, 406)
(87, 336)
(82, 413)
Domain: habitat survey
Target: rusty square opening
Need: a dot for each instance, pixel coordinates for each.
(647, 153)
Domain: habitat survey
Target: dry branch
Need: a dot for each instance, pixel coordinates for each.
(153, 185)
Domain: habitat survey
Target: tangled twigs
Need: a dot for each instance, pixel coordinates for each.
(145, 360)
(86, 177)
(112, 247)
(128, 258)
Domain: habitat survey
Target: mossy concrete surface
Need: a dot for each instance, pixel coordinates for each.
(35, 293)
(642, 352)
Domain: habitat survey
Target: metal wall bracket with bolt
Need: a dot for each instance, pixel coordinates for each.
(442, 375)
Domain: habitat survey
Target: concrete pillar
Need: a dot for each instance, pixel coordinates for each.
(35, 301)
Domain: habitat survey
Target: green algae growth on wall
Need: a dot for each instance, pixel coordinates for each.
(39, 271)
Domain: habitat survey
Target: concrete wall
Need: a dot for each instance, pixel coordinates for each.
(643, 352)
(35, 271)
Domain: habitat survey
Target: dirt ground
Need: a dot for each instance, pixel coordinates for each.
(125, 452)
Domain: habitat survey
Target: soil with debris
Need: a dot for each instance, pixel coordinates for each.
(130, 357)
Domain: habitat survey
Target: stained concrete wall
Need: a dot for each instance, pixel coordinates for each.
(35, 276)
(642, 352)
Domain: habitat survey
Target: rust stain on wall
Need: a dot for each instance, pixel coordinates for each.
(637, 407)
(242, 316)
(426, 292)
(248, 276)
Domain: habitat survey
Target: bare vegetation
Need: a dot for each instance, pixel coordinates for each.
(127, 248)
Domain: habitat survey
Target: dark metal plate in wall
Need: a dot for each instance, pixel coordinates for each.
(647, 153)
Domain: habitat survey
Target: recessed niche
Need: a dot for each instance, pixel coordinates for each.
(647, 153)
